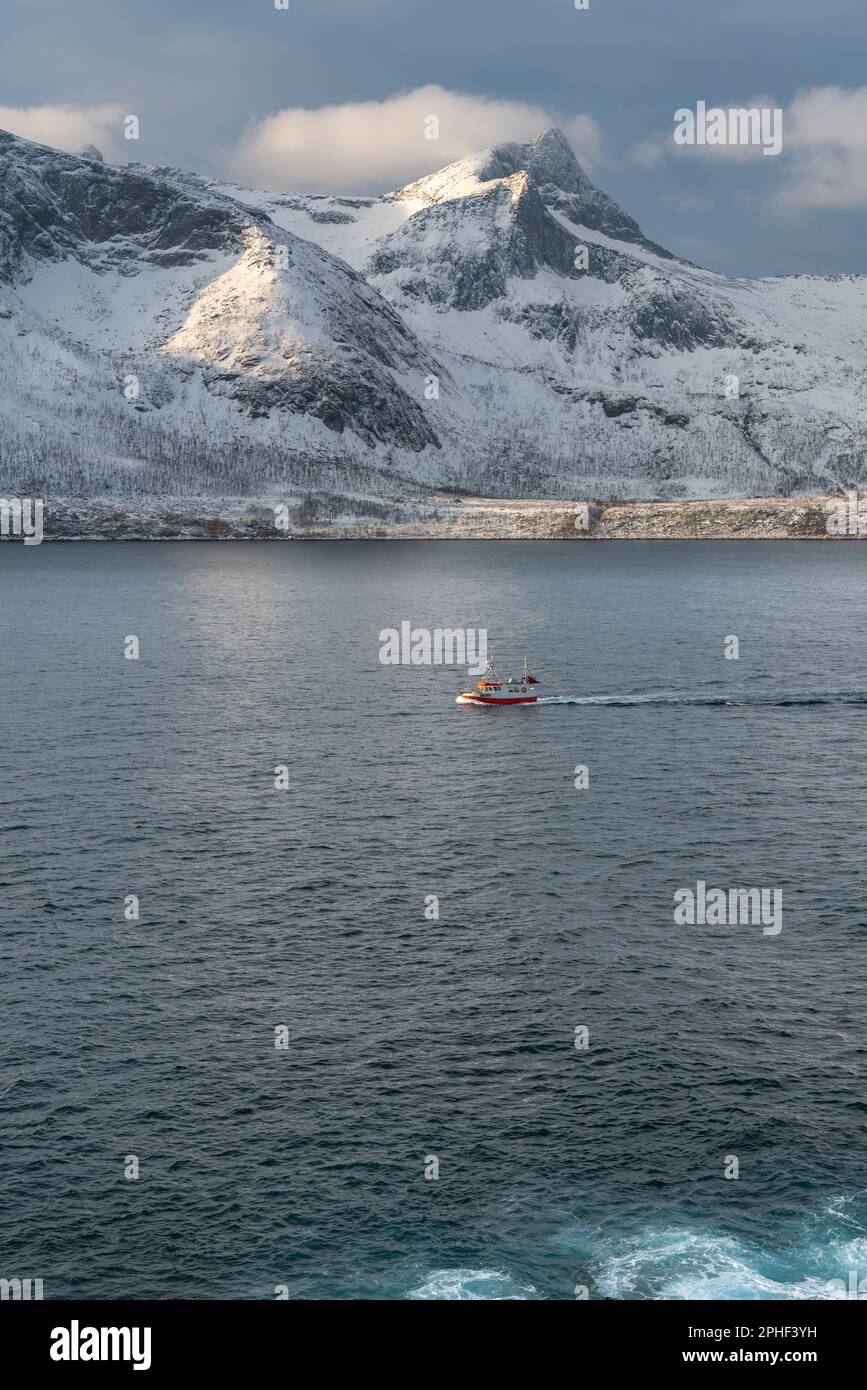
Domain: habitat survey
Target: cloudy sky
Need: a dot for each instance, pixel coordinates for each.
(333, 95)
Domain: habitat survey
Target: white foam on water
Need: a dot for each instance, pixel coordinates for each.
(687, 1264)
(473, 1284)
(778, 699)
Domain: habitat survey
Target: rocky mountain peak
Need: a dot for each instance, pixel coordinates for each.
(445, 334)
(551, 163)
(549, 166)
(549, 159)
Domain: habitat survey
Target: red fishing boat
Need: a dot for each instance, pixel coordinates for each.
(501, 690)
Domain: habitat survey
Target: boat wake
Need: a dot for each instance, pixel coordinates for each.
(684, 1263)
(768, 699)
(824, 1258)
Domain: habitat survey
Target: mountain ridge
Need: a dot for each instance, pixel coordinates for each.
(161, 331)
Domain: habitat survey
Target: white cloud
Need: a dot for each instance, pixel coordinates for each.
(371, 146)
(647, 153)
(826, 133)
(824, 149)
(67, 127)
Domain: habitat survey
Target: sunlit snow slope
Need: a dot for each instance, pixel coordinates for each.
(164, 333)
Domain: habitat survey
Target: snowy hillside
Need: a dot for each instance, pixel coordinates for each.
(165, 334)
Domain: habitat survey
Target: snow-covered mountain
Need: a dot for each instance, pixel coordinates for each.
(500, 326)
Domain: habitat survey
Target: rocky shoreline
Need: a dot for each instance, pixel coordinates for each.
(441, 517)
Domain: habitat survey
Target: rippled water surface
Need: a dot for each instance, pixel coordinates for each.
(410, 1037)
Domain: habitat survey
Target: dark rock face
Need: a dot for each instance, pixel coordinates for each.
(548, 160)
(122, 219)
(333, 217)
(460, 253)
(674, 318)
(624, 405)
(614, 407)
(382, 413)
(561, 322)
(472, 338)
(563, 184)
(54, 205)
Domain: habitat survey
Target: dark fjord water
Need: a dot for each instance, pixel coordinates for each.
(410, 1037)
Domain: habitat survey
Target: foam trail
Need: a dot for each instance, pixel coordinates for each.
(768, 700)
(818, 1261)
(472, 1284)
